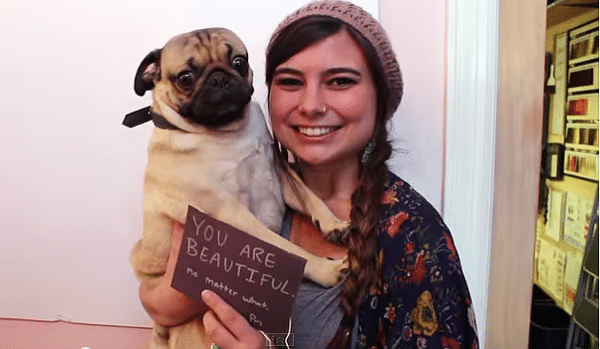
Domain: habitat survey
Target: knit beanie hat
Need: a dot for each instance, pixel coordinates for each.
(367, 26)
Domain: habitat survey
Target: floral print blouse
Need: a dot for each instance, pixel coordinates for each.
(422, 299)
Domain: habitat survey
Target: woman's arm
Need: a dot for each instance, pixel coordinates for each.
(169, 307)
(164, 304)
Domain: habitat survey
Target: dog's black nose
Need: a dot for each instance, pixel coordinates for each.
(218, 80)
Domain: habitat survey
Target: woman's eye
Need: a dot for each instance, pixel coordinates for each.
(289, 82)
(185, 80)
(342, 82)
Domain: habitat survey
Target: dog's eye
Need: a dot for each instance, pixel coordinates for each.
(240, 64)
(185, 80)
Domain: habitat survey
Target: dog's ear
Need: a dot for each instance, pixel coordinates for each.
(148, 71)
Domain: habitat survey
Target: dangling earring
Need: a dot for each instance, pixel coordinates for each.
(366, 156)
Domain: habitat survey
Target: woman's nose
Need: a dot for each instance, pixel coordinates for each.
(313, 101)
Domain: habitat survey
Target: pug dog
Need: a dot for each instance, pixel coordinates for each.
(210, 148)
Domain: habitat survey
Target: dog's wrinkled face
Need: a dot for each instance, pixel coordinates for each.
(203, 75)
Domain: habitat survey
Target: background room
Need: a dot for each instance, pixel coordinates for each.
(71, 181)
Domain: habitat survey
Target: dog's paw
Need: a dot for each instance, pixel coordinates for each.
(332, 226)
(327, 272)
(147, 263)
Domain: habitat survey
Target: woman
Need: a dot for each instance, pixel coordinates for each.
(334, 83)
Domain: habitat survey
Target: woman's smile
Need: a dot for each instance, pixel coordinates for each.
(316, 131)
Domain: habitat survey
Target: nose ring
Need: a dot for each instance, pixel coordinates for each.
(314, 111)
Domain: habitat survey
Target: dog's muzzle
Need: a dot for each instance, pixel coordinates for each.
(220, 101)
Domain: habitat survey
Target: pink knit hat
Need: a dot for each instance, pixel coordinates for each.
(366, 25)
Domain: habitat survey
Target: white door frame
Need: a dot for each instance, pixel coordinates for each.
(493, 146)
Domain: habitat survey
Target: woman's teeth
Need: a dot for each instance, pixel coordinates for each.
(315, 131)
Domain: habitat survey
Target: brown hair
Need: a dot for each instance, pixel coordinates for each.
(364, 216)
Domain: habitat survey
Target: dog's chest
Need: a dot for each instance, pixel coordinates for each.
(215, 159)
(190, 166)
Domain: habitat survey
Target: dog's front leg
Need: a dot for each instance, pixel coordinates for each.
(149, 255)
(299, 197)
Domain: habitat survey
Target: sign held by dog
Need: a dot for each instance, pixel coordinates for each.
(256, 278)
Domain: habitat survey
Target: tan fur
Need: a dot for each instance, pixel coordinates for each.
(228, 173)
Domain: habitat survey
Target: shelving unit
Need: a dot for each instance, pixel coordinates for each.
(561, 236)
(583, 329)
(560, 11)
(570, 179)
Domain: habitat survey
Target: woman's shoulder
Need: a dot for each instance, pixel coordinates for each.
(402, 207)
(409, 224)
(424, 298)
(400, 193)
(412, 231)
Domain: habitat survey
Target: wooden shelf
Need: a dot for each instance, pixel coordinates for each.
(563, 245)
(562, 10)
(591, 58)
(583, 147)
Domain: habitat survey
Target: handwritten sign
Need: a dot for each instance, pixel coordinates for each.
(256, 278)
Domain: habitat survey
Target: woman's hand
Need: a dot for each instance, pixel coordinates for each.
(227, 328)
(164, 304)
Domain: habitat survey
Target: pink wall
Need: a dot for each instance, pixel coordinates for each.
(71, 195)
(33, 334)
(417, 30)
(74, 200)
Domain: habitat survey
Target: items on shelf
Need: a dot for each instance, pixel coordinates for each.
(570, 161)
(583, 329)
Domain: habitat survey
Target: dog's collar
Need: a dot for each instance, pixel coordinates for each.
(144, 115)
